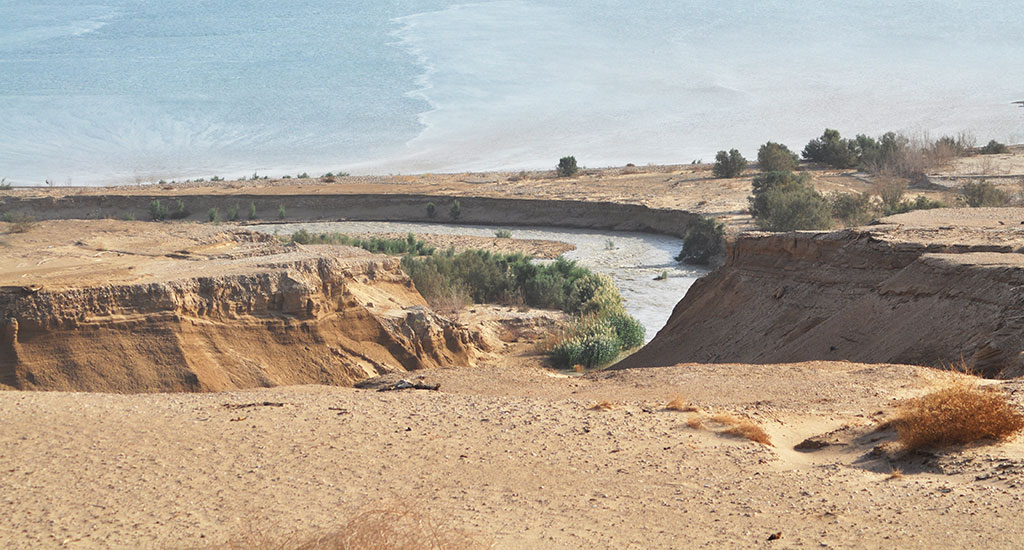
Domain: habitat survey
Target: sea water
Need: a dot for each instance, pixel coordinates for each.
(125, 91)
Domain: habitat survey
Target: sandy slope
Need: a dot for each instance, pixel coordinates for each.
(511, 453)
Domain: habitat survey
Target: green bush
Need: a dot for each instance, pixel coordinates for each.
(729, 165)
(629, 331)
(455, 211)
(252, 210)
(593, 345)
(431, 210)
(408, 245)
(853, 209)
(567, 167)
(233, 213)
(703, 240)
(983, 193)
(280, 212)
(783, 201)
(214, 215)
(833, 150)
(157, 211)
(994, 148)
(775, 157)
(21, 222)
(503, 234)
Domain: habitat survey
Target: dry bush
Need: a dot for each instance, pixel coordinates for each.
(20, 222)
(390, 528)
(895, 473)
(743, 427)
(959, 413)
(695, 422)
(679, 404)
(604, 406)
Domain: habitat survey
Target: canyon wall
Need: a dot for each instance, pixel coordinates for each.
(874, 295)
(302, 316)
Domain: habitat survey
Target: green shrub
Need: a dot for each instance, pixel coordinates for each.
(833, 150)
(233, 213)
(703, 240)
(783, 201)
(252, 210)
(853, 209)
(157, 211)
(629, 331)
(983, 193)
(179, 211)
(455, 211)
(408, 245)
(503, 234)
(280, 212)
(303, 176)
(21, 222)
(994, 148)
(431, 210)
(775, 157)
(729, 165)
(214, 215)
(567, 167)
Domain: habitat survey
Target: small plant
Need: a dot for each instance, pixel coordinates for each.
(214, 215)
(303, 176)
(609, 244)
(743, 427)
(567, 167)
(179, 211)
(129, 216)
(729, 165)
(852, 209)
(157, 211)
(252, 210)
(503, 234)
(775, 157)
(233, 213)
(604, 406)
(679, 404)
(431, 210)
(663, 276)
(703, 240)
(959, 413)
(21, 222)
(455, 211)
(286, 177)
(983, 193)
(280, 212)
(216, 178)
(994, 148)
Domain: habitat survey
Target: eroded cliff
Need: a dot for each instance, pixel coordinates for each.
(929, 289)
(229, 310)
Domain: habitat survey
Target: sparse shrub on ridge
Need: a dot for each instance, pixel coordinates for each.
(994, 148)
(960, 413)
(982, 193)
(853, 209)
(784, 201)
(567, 167)
(776, 157)
(157, 211)
(832, 149)
(729, 165)
(703, 240)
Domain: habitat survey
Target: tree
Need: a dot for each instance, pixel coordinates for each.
(784, 201)
(729, 165)
(776, 157)
(703, 240)
(567, 167)
(833, 150)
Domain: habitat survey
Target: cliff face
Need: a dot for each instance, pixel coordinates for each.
(880, 295)
(292, 316)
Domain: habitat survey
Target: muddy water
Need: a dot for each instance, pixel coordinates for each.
(632, 260)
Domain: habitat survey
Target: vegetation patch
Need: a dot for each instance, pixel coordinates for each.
(729, 165)
(567, 167)
(959, 413)
(784, 201)
(982, 193)
(21, 222)
(408, 245)
(703, 240)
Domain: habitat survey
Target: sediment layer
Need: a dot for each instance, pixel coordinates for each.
(934, 295)
(287, 315)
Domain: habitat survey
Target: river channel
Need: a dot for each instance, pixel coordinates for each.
(634, 261)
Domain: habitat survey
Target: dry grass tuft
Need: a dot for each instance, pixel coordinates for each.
(959, 413)
(894, 473)
(695, 422)
(743, 427)
(604, 406)
(392, 528)
(679, 404)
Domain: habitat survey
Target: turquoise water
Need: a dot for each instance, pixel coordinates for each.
(123, 91)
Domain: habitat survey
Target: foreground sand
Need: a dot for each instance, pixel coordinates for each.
(512, 454)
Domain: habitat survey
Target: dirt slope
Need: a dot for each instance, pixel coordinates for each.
(928, 288)
(119, 307)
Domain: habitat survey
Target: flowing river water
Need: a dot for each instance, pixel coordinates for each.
(634, 261)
